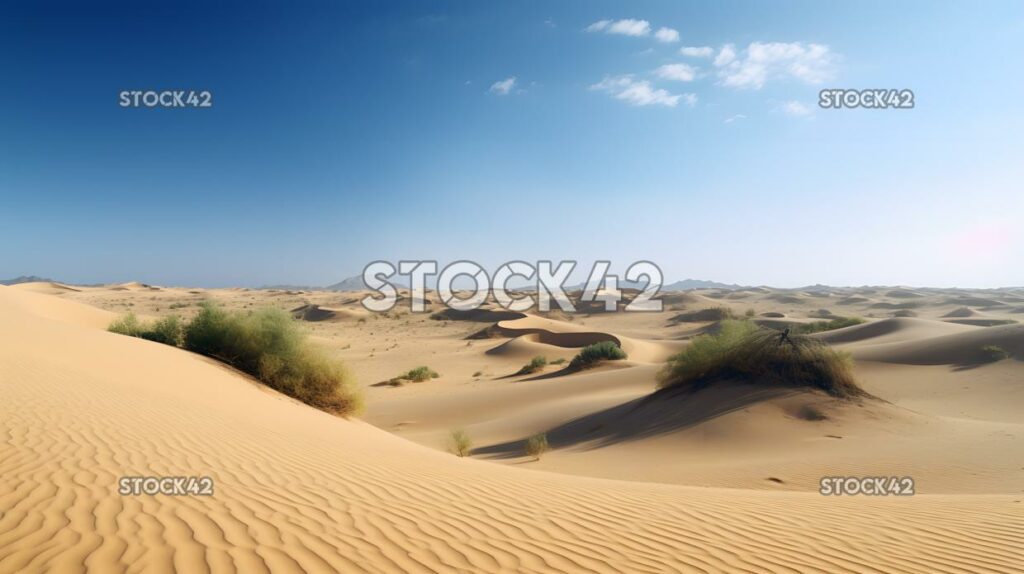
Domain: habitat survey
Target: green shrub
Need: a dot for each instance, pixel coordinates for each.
(741, 351)
(420, 374)
(537, 445)
(269, 345)
(558, 361)
(168, 331)
(993, 353)
(535, 364)
(819, 326)
(593, 354)
(128, 325)
(459, 443)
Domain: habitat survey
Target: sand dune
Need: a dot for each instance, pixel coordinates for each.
(298, 490)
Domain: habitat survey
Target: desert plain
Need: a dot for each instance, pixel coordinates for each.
(724, 479)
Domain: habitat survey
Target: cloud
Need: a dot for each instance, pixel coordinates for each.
(735, 118)
(796, 109)
(697, 51)
(503, 87)
(809, 63)
(550, 23)
(677, 72)
(726, 55)
(627, 27)
(690, 99)
(667, 35)
(639, 92)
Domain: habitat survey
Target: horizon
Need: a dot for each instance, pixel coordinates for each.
(689, 136)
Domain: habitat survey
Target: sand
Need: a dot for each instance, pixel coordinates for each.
(723, 481)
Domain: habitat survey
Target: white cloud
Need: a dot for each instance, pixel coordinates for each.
(639, 92)
(503, 87)
(796, 109)
(626, 27)
(726, 55)
(690, 99)
(735, 118)
(677, 72)
(667, 35)
(697, 51)
(810, 63)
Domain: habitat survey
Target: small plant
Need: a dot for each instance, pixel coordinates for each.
(420, 374)
(993, 353)
(536, 364)
(819, 326)
(478, 374)
(537, 445)
(750, 314)
(558, 361)
(591, 355)
(459, 443)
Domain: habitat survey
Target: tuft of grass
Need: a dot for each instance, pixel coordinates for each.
(558, 361)
(819, 326)
(750, 314)
(591, 355)
(993, 353)
(459, 443)
(741, 350)
(537, 445)
(419, 374)
(535, 364)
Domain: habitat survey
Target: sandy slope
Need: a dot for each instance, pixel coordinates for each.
(298, 490)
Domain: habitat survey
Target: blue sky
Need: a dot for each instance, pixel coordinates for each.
(343, 133)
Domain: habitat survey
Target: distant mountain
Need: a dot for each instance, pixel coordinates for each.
(354, 283)
(25, 279)
(688, 284)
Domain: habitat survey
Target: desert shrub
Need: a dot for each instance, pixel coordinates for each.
(593, 354)
(993, 353)
(128, 325)
(269, 345)
(558, 361)
(537, 445)
(709, 314)
(742, 351)
(535, 364)
(819, 326)
(420, 374)
(459, 443)
(168, 331)
(750, 313)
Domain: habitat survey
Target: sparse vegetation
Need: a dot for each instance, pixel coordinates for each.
(591, 355)
(267, 344)
(820, 326)
(993, 353)
(459, 443)
(742, 351)
(702, 315)
(558, 361)
(537, 445)
(536, 364)
(128, 325)
(420, 374)
(168, 331)
(750, 313)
